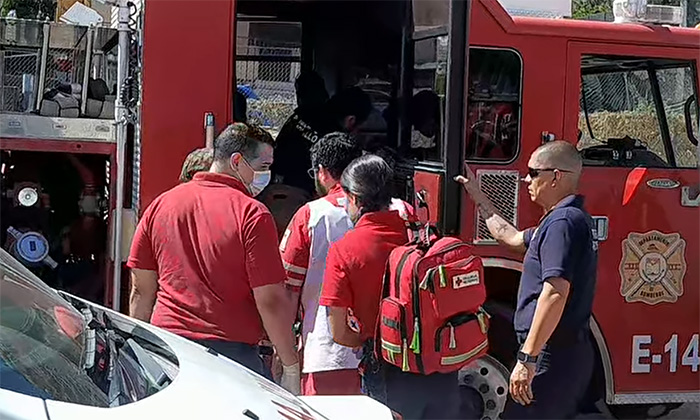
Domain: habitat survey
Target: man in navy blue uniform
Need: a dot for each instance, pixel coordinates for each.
(555, 359)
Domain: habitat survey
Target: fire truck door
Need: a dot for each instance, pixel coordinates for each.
(435, 50)
(631, 107)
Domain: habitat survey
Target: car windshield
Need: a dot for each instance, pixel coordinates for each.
(42, 340)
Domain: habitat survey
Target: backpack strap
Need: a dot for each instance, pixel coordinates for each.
(413, 230)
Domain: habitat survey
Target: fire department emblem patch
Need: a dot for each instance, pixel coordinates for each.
(652, 267)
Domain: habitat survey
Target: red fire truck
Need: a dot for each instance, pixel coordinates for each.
(496, 87)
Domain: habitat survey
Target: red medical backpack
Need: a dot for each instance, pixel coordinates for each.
(431, 317)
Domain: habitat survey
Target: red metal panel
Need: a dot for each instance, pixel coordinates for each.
(593, 31)
(188, 70)
(543, 85)
(632, 206)
(431, 184)
(59, 146)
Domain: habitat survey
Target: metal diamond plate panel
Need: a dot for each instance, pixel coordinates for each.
(501, 187)
(657, 398)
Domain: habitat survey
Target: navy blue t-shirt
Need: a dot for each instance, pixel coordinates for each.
(561, 246)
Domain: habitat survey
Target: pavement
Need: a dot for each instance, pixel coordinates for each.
(688, 411)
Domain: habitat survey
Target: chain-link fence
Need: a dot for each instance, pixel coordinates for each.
(64, 66)
(21, 50)
(621, 103)
(265, 75)
(20, 71)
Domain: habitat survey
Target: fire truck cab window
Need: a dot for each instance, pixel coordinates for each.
(493, 120)
(637, 112)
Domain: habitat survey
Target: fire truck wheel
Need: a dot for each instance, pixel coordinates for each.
(485, 384)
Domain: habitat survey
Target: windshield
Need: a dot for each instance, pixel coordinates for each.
(42, 340)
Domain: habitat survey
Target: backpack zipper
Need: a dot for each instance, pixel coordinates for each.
(455, 321)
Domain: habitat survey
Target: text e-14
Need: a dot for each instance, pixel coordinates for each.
(642, 358)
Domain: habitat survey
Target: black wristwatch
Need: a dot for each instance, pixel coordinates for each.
(526, 358)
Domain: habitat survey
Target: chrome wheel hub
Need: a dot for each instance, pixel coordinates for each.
(484, 388)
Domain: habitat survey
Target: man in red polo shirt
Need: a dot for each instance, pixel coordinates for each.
(204, 258)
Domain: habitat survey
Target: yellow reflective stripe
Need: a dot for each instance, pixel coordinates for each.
(453, 360)
(395, 348)
(294, 269)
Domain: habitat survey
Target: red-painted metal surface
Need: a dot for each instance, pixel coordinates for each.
(429, 185)
(551, 52)
(633, 206)
(192, 42)
(188, 70)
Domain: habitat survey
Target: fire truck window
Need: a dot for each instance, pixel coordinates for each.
(426, 109)
(268, 56)
(618, 122)
(676, 86)
(493, 121)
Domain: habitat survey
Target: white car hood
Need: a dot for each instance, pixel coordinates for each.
(209, 386)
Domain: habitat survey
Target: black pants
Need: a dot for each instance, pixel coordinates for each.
(412, 395)
(245, 354)
(560, 383)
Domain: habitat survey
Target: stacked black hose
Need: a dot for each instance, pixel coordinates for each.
(130, 87)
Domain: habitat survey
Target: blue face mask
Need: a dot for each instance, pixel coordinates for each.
(260, 180)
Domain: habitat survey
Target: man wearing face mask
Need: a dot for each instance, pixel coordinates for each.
(204, 261)
(329, 368)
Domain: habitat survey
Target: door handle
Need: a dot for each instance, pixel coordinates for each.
(421, 199)
(690, 196)
(600, 228)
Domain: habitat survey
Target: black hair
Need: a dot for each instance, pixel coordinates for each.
(388, 154)
(240, 138)
(351, 101)
(368, 178)
(334, 152)
(423, 106)
(310, 86)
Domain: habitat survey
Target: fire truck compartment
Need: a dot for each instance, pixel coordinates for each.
(58, 81)
(54, 212)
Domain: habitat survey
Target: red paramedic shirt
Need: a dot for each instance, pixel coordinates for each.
(356, 263)
(211, 244)
(296, 242)
(295, 245)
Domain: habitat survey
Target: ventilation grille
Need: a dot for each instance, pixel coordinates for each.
(501, 187)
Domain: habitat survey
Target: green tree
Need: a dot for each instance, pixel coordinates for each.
(581, 9)
(30, 9)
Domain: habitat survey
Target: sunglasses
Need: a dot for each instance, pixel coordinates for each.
(311, 172)
(534, 173)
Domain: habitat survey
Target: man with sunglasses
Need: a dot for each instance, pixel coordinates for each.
(555, 358)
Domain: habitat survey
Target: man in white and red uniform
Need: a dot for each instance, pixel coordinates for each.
(328, 367)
